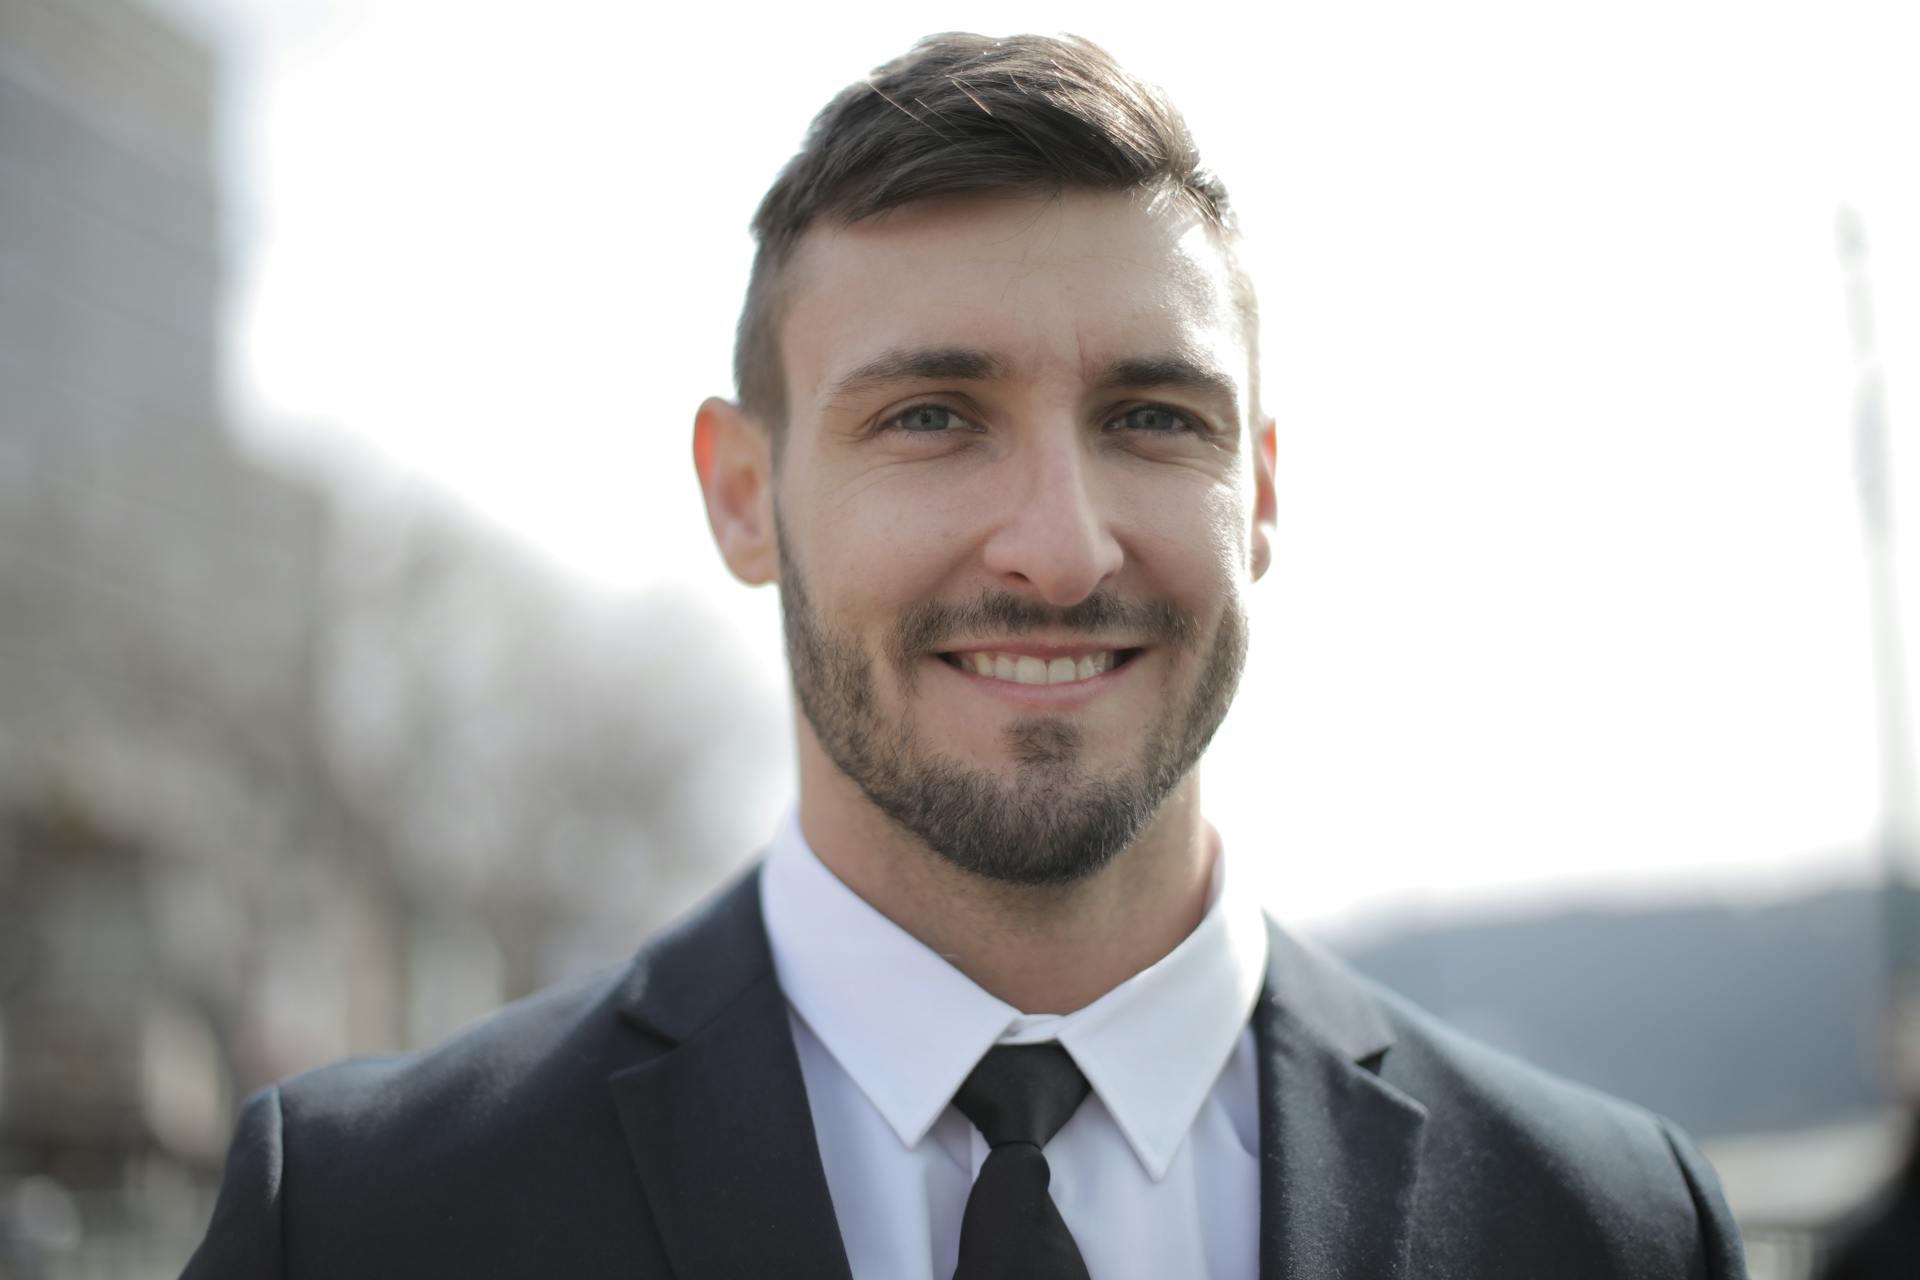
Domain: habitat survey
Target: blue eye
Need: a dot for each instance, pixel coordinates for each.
(1153, 419)
(925, 419)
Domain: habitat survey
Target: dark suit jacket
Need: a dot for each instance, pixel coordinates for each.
(653, 1122)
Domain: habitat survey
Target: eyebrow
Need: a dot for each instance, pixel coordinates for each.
(1171, 371)
(969, 364)
(914, 364)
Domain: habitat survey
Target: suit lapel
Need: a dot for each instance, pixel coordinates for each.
(721, 1133)
(1339, 1147)
(718, 1125)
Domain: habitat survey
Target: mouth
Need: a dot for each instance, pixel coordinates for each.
(1054, 667)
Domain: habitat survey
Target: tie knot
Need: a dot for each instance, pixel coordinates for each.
(1022, 1093)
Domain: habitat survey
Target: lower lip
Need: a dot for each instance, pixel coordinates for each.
(1058, 696)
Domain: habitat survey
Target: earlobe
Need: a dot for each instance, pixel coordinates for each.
(734, 459)
(1266, 504)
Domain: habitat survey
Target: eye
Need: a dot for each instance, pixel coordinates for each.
(1153, 419)
(925, 419)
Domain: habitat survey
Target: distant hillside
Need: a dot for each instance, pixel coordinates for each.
(1729, 1021)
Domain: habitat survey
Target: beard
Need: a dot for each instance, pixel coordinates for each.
(1055, 821)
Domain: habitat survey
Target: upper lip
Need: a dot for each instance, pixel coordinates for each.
(1037, 648)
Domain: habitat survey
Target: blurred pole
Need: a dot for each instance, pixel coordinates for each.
(1899, 818)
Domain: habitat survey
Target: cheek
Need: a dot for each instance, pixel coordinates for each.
(883, 547)
(1229, 512)
(1233, 539)
(1192, 539)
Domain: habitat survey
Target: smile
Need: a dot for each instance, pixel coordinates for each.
(1023, 668)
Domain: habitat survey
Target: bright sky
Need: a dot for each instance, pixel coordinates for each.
(1570, 595)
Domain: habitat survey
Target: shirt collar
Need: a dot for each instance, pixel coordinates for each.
(908, 1027)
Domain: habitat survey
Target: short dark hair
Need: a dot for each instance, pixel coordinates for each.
(958, 115)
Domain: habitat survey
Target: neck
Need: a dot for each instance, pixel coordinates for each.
(1041, 949)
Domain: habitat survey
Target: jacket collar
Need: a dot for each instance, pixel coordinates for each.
(1324, 1000)
(693, 971)
(720, 1129)
(718, 1124)
(1339, 1146)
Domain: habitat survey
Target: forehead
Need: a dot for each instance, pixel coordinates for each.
(1055, 285)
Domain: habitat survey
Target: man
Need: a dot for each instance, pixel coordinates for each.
(994, 1004)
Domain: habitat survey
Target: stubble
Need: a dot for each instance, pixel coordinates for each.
(1056, 821)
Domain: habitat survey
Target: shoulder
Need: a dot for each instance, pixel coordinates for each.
(1578, 1170)
(542, 1063)
(1482, 1102)
(501, 1072)
(412, 1163)
(1519, 1163)
(498, 1151)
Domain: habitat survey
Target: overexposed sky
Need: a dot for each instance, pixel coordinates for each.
(1570, 595)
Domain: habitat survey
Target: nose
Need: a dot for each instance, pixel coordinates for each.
(1055, 536)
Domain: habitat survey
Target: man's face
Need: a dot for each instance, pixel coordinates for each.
(1016, 510)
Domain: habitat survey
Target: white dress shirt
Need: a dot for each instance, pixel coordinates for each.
(1157, 1174)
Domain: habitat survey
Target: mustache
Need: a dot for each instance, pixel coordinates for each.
(927, 626)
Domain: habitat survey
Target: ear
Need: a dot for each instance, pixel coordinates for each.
(1266, 507)
(734, 457)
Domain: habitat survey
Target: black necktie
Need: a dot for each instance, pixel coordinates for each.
(1018, 1097)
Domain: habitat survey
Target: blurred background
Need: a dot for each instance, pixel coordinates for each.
(364, 661)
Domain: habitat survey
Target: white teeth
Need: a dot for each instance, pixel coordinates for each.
(1025, 669)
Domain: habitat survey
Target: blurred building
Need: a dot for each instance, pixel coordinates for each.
(155, 613)
(286, 773)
